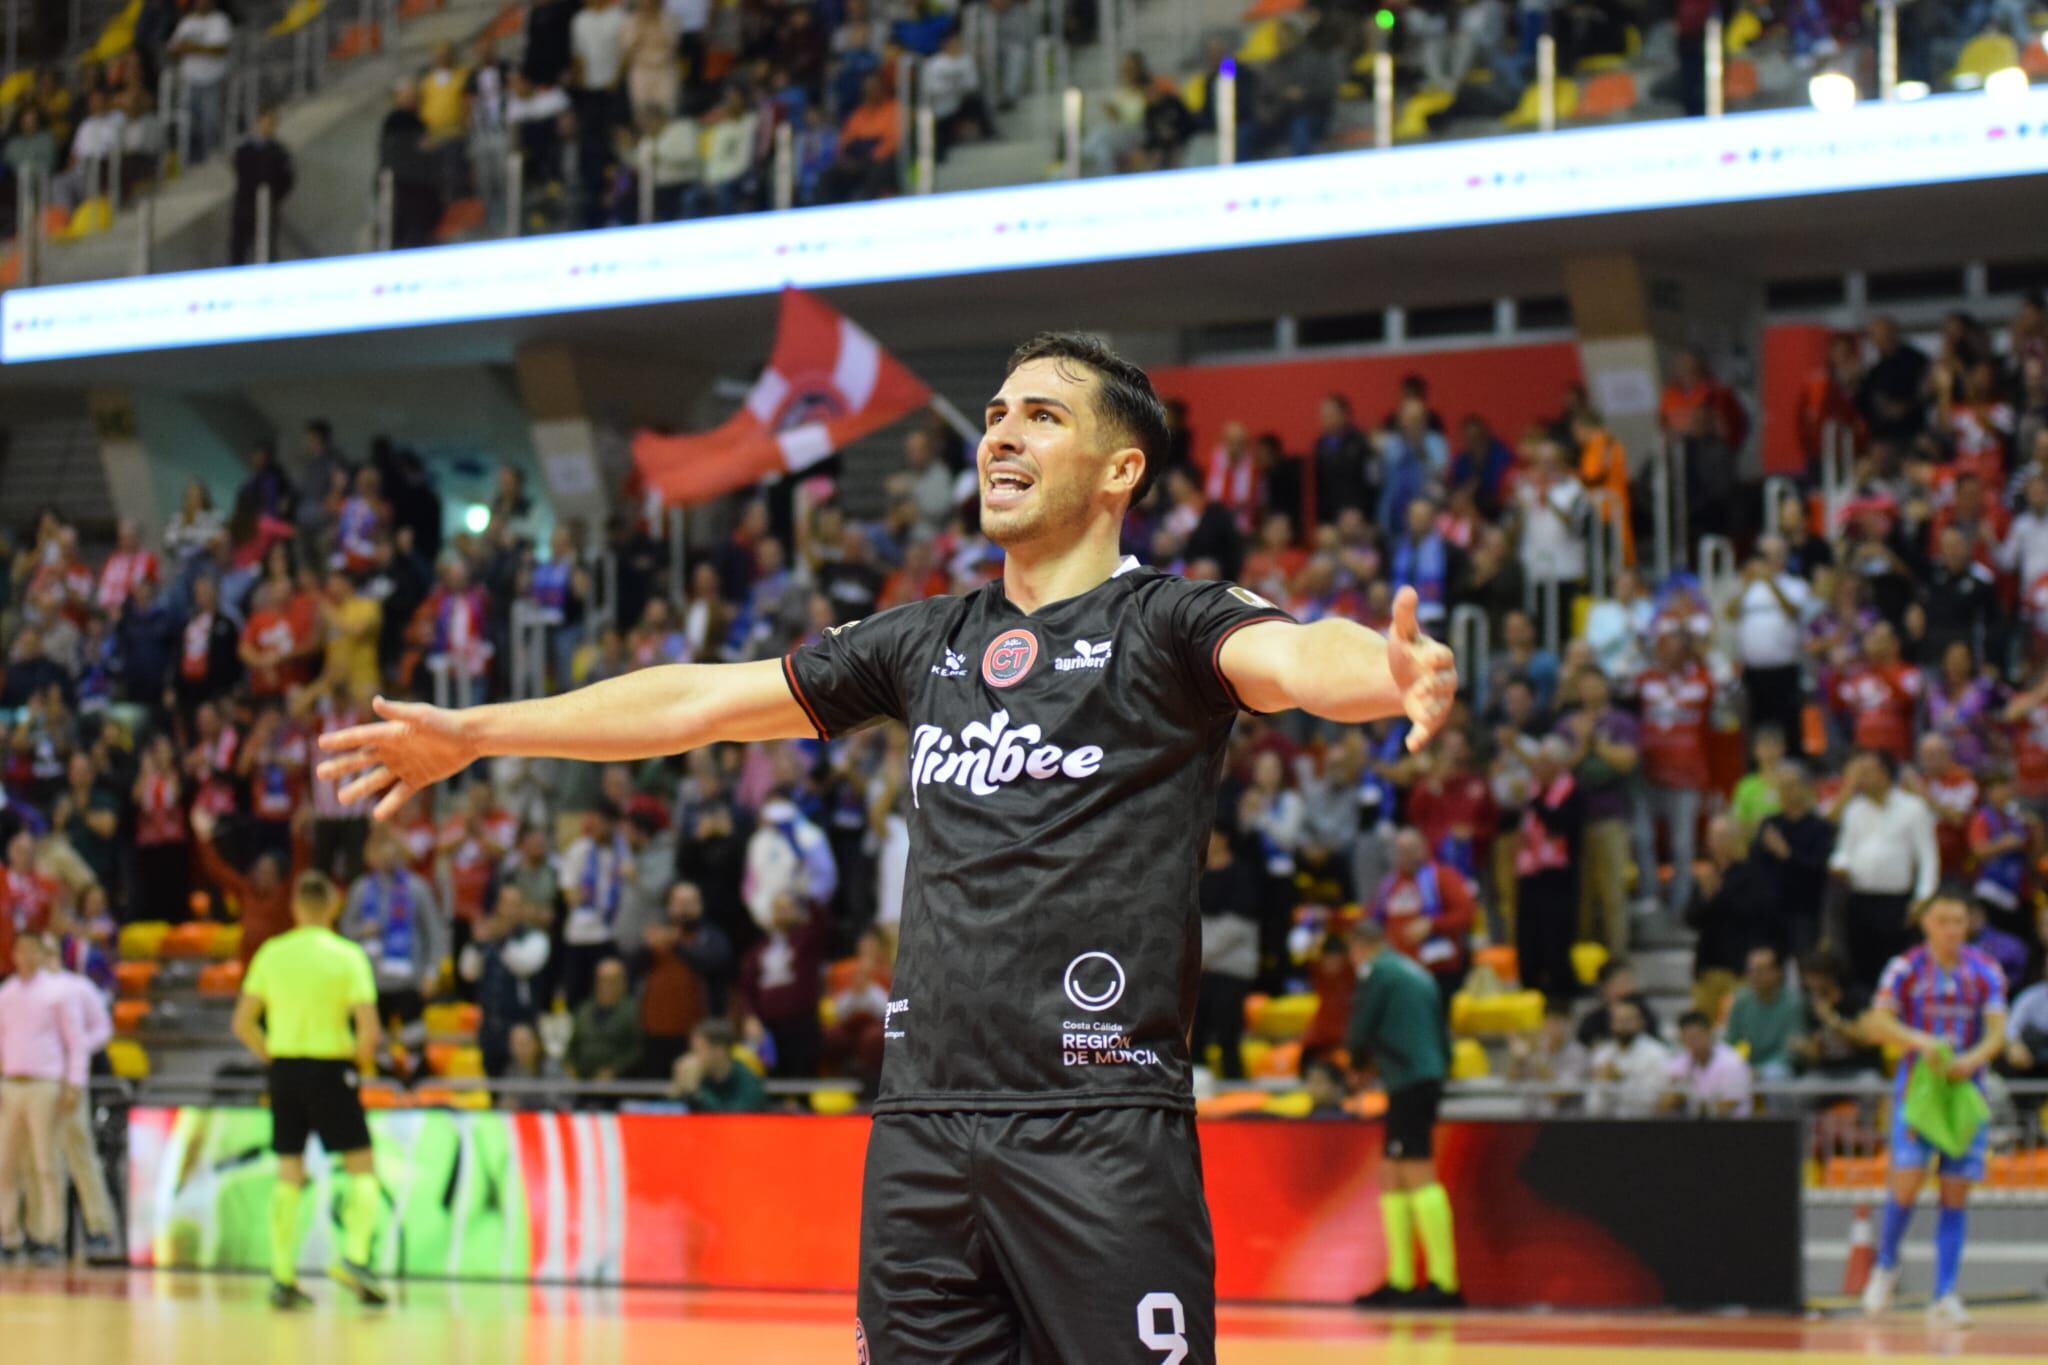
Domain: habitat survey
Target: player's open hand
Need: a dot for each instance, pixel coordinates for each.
(412, 748)
(1424, 671)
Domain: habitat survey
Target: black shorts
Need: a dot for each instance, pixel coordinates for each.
(1411, 1120)
(1076, 1238)
(310, 1096)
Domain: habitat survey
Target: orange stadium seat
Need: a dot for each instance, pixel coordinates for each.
(132, 979)
(1739, 82)
(377, 1097)
(1282, 1059)
(221, 979)
(1607, 94)
(128, 1016)
(1271, 9)
(464, 215)
(510, 23)
(1501, 960)
(1232, 1105)
(189, 940)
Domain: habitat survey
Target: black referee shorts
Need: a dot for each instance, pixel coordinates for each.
(1074, 1238)
(1411, 1120)
(309, 1095)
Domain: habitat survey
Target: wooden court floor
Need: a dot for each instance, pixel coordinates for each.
(113, 1318)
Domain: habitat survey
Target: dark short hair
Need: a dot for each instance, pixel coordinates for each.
(1611, 968)
(1826, 964)
(1125, 399)
(718, 1032)
(1695, 1019)
(1366, 929)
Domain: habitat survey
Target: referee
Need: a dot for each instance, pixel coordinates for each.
(309, 1012)
(1397, 1020)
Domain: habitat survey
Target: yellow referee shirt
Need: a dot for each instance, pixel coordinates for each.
(310, 981)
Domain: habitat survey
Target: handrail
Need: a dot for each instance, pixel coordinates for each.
(1472, 649)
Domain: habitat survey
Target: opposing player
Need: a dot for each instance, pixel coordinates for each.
(1033, 1189)
(1943, 993)
(309, 1011)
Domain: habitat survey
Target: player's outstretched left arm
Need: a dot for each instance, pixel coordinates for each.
(1341, 671)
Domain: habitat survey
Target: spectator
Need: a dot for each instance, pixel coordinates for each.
(1886, 853)
(1709, 1079)
(1603, 468)
(787, 855)
(711, 1080)
(1546, 865)
(950, 83)
(684, 965)
(2007, 950)
(1413, 460)
(652, 82)
(262, 162)
(2026, 1032)
(43, 1063)
(1555, 516)
(781, 982)
(1552, 1058)
(1677, 696)
(1756, 795)
(1297, 94)
(393, 913)
(1605, 748)
(594, 874)
(1958, 604)
(1765, 1019)
(1346, 464)
(1770, 615)
(1270, 820)
(606, 1043)
(1833, 1041)
(403, 153)
(1423, 560)
(1616, 983)
(1428, 908)
(503, 961)
(1878, 696)
(2024, 551)
(1195, 529)
(869, 137)
(1724, 913)
(1631, 1069)
(1891, 396)
(729, 180)
(1792, 852)
(203, 42)
(533, 1068)
(1230, 955)
(597, 42)
(2001, 837)
(678, 169)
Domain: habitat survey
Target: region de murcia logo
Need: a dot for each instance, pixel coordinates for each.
(1085, 655)
(955, 666)
(1009, 657)
(1094, 982)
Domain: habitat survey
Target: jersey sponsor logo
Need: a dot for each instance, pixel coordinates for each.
(954, 666)
(987, 758)
(860, 1342)
(841, 630)
(1009, 657)
(1085, 655)
(1250, 598)
(889, 1012)
(1094, 982)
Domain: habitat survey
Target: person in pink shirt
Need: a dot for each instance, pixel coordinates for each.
(1709, 1079)
(75, 1146)
(42, 1072)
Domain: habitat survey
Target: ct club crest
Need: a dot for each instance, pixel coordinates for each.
(1009, 657)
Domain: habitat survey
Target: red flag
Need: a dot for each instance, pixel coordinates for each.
(828, 384)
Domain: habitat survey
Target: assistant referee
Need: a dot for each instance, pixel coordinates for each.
(1397, 1021)
(309, 1012)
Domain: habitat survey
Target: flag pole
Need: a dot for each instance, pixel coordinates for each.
(963, 428)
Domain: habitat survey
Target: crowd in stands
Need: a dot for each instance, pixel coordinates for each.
(1788, 764)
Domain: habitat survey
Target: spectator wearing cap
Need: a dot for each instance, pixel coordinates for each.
(1709, 1079)
(1606, 753)
(1886, 855)
(1677, 696)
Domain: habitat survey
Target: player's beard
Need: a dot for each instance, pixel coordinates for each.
(1048, 509)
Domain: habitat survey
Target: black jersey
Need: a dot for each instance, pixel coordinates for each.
(1063, 775)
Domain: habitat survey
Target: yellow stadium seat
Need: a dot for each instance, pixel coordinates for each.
(833, 1101)
(1512, 1012)
(142, 941)
(1413, 120)
(129, 1059)
(1262, 43)
(1529, 113)
(1292, 1104)
(439, 1019)
(1982, 55)
(16, 84)
(297, 17)
(1194, 93)
(1284, 1059)
(117, 37)
(1252, 1052)
(1587, 960)
(1742, 30)
(1285, 1016)
(226, 942)
(1469, 1061)
(91, 216)
(1233, 1104)
(465, 1062)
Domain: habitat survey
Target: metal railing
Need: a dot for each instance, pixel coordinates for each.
(1472, 648)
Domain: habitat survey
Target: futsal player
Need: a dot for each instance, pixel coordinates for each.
(309, 1012)
(1033, 1189)
(1397, 1020)
(1941, 993)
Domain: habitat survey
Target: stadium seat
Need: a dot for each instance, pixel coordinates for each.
(1370, 1105)
(833, 1101)
(1289, 1104)
(439, 1056)
(462, 216)
(1739, 82)
(117, 37)
(1252, 1053)
(1282, 1059)
(377, 1097)
(221, 979)
(355, 40)
(92, 215)
(1982, 55)
(1271, 9)
(226, 942)
(1235, 1104)
(1587, 960)
(16, 84)
(142, 941)
(1285, 1016)
(2034, 61)
(1194, 93)
(10, 268)
(464, 1063)
(132, 979)
(509, 24)
(1501, 960)
(302, 13)
(1608, 94)
(189, 940)
(128, 1016)
(1512, 1012)
(413, 9)
(1613, 61)
(128, 1059)
(1469, 1061)
(1262, 43)
(1413, 120)
(1529, 112)
(839, 975)
(1743, 29)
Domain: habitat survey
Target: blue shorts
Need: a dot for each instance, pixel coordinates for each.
(1911, 1152)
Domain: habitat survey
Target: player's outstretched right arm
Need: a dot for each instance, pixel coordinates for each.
(654, 712)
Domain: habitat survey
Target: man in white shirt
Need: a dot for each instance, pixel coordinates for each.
(202, 42)
(951, 84)
(1709, 1079)
(1770, 637)
(729, 156)
(1886, 851)
(678, 166)
(94, 146)
(597, 38)
(81, 1155)
(1631, 1069)
(1553, 504)
(2024, 553)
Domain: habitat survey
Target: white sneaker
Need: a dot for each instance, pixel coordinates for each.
(1948, 1311)
(1877, 1294)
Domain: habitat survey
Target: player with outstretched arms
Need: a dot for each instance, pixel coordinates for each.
(1033, 1188)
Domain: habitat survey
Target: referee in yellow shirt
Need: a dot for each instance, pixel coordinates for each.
(309, 1012)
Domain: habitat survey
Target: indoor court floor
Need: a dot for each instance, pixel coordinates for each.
(111, 1318)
